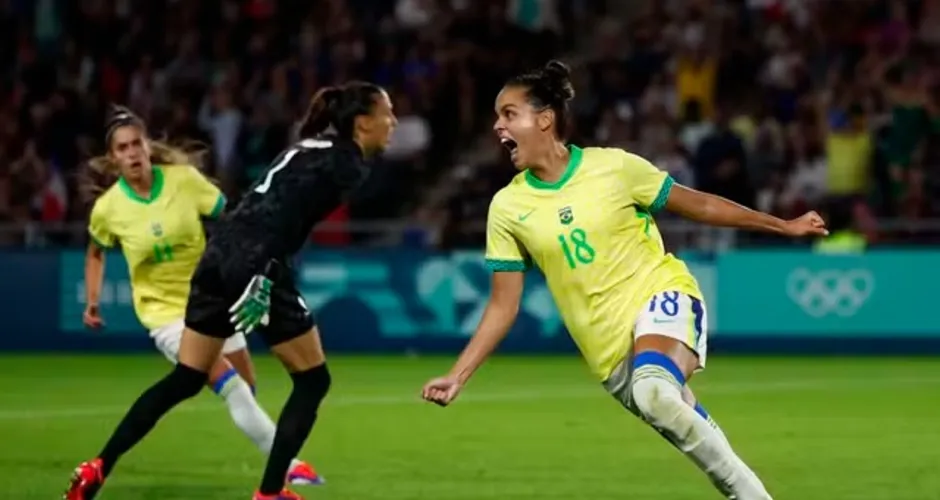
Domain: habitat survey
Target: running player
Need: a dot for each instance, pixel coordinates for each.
(154, 212)
(250, 250)
(583, 216)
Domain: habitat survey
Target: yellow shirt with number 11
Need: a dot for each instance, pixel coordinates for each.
(593, 236)
(161, 236)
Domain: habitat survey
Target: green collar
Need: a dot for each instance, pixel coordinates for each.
(155, 188)
(574, 161)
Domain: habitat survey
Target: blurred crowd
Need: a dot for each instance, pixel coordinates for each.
(782, 105)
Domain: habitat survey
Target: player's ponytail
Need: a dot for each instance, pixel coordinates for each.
(337, 108)
(549, 88)
(320, 112)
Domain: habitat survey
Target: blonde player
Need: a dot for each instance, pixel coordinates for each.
(583, 216)
(155, 212)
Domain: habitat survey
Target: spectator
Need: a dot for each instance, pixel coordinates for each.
(222, 120)
(849, 150)
(720, 163)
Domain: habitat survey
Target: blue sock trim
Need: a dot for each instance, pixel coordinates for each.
(661, 360)
(701, 410)
(219, 384)
(254, 390)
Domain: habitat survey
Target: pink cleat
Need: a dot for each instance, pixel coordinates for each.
(304, 474)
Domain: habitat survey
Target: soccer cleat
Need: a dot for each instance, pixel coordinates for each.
(285, 494)
(86, 481)
(304, 474)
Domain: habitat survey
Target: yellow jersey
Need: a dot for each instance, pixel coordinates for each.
(162, 237)
(593, 236)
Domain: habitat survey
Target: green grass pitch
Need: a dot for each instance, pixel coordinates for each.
(526, 428)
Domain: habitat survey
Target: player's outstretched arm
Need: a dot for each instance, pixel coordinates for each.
(94, 276)
(500, 313)
(717, 211)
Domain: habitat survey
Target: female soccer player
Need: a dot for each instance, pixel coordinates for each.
(583, 216)
(250, 250)
(150, 200)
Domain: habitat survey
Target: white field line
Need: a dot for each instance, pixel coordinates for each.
(536, 393)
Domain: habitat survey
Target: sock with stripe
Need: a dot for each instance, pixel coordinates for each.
(656, 392)
(245, 411)
(708, 418)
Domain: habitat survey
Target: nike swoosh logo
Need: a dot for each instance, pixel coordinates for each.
(523, 217)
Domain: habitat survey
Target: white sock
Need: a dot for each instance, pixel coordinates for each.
(247, 413)
(656, 393)
(743, 466)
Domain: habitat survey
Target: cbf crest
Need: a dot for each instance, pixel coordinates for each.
(157, 229)
(565, 215)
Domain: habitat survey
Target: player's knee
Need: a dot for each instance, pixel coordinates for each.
(187, 382)
(313, 383)
(655, 389)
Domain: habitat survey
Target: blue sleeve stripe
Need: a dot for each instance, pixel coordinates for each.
(506, 266)
(660, 202)
(219, 206)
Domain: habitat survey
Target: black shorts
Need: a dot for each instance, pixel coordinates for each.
(218, 284)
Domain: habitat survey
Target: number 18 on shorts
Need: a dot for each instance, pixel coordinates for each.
(676, 315)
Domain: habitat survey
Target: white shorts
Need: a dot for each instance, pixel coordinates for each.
(671, 314)
(167, 338)
(679, 316)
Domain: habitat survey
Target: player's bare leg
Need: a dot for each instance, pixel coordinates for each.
(661, 367)
(301, 353)
(304, 358)
(241, 361)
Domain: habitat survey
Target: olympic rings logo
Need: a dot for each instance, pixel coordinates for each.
(839, 292)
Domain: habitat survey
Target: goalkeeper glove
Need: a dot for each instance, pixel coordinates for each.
(251, 310)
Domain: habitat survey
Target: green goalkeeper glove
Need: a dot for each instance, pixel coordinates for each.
(251, 309)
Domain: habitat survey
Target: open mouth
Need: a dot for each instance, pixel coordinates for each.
(510, 145)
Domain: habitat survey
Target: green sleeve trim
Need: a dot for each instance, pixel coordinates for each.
(660, 202)
(219, 206)
(506, 266)
(100, 244)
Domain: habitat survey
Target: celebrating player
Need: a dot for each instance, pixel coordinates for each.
(583, 216)
(154, 212)
(250, 251)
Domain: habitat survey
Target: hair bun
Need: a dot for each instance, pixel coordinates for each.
(558, 69)
(558, 75)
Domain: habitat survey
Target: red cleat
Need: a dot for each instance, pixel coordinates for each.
(86, 481)
(285, 494)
